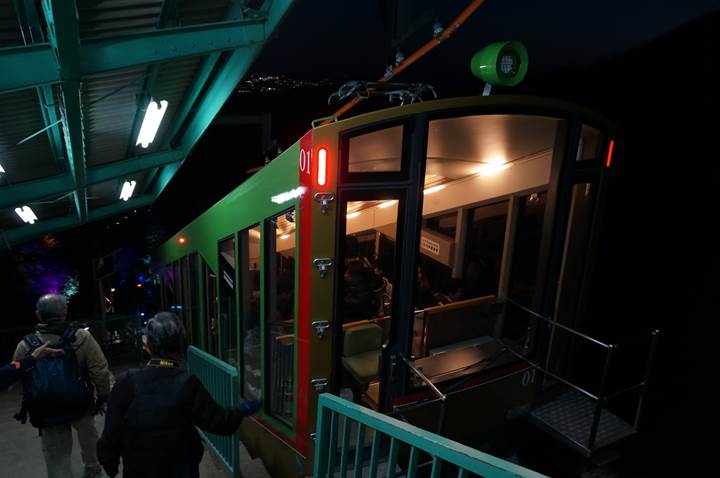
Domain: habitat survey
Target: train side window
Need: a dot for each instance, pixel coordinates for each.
(474, 164)
(211, 307)
(279, 268)
(376, 152)
(228, 306)
(368, 274)
(591, 144)
(250, 302)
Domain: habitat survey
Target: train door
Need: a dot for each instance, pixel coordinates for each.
(378, 207)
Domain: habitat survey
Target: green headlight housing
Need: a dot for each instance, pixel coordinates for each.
(501, 64)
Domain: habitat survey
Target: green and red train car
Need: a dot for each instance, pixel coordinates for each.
(464, 207)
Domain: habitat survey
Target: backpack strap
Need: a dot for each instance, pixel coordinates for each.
(33, 341)
(68, 336)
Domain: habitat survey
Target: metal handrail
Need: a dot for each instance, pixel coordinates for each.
(559, 325)
(441, 396)
(602, 397)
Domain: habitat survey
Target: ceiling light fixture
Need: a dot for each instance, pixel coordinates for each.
(26, 214)
(127, 190)
(387, 204)
(151, 123)
(435, 189)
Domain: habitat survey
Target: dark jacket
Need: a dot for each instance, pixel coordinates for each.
(363, 291)
(14, 371)
(151, 420)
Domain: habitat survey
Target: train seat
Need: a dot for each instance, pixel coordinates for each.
(453, 323)
(361, 352)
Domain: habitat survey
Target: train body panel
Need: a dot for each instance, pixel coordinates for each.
(435, 193)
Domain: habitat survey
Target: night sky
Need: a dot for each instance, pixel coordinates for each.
(651, 66)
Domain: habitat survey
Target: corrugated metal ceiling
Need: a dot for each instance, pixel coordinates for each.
(10, 34)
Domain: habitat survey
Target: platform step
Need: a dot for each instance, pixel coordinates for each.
(569, 418)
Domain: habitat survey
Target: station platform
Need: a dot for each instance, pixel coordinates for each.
(21, 453)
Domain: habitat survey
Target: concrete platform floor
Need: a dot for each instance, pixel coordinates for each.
(21, 454)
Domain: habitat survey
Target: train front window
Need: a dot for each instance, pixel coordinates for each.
(280, 315)
(228, 307)
(376, 152)
(591, 144)
(476, 168)
(368, 274)
(250, 300)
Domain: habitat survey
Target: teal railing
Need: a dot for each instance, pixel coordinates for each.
(221, 380)
(395, 449)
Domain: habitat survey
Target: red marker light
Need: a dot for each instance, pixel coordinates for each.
(182, 240)
(610, 153)
(322, 166)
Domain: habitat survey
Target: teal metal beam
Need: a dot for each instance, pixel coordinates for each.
(169, 44)
(54, 186)
(24, 193)
(122, 169)
(41, 227)
(47, 226)
(64, 36)
(225, 82)
(27, 67)
(120, 207)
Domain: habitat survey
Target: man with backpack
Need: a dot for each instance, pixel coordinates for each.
(14, 371)
(58, 392)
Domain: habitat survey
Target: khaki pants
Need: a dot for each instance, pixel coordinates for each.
(57, 445)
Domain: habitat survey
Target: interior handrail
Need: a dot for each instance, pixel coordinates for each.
(424, 378)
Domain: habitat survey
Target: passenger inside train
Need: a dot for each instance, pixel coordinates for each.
(482, 218)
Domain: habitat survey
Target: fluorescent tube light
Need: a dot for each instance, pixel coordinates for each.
(435, 189)
(386, 204)
(153, 116)
(26, 214)
(353, 214)
(127, 190)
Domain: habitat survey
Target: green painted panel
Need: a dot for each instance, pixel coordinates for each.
(32, 66)
(23, 193)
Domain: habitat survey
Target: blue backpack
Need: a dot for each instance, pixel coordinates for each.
(57, 391)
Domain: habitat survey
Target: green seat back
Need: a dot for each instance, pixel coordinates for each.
(361, 339)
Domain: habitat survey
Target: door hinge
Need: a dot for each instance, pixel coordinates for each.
(319, 384)
(324, 199)
(320, 327)
(323, 264)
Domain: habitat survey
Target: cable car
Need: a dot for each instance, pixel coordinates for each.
(403, 258)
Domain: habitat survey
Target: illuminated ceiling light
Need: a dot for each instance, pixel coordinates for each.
(353, 214)
(2, 170)
(112, 289)
(284, 236)
(182, 240)
(435, 189)
(387, 204)
(26, 214)
(153, 116)
(490, 169)
(255, 233)
(127, 190)
(288, 195)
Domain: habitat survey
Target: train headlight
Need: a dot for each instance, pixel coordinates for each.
(501, 63)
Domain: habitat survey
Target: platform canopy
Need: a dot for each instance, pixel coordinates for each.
(76, 79)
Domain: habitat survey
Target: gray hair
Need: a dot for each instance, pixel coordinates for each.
(51, 306)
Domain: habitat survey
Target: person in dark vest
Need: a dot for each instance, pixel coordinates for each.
(152, 412)
(55, 418)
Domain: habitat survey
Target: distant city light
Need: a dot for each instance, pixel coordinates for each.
(112, 289)
(127, 190)
(138, 285)
(26, 214)
(151, 123)
(288, 195)
(182, 240)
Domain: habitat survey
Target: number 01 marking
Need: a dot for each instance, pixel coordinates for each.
(305, 157)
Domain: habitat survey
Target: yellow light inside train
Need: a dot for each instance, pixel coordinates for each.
(151, 123)
(353, 214)
(435, 189)
(490, 169)
(284, 236)
(387, 204)
(322, 166)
